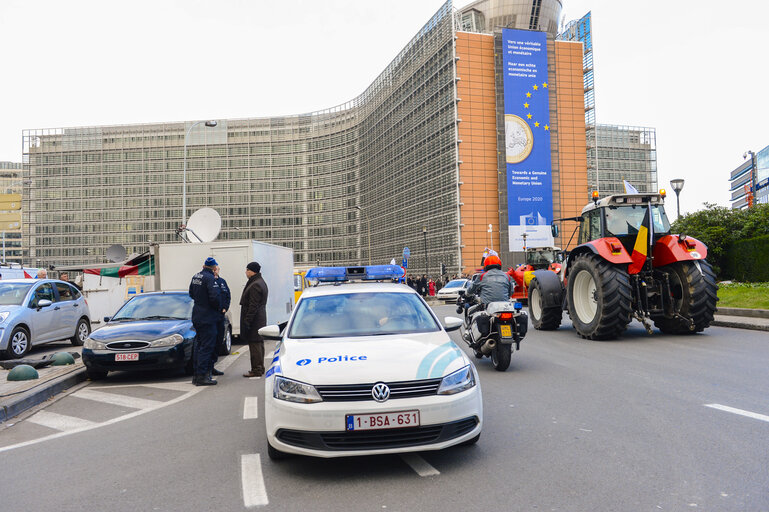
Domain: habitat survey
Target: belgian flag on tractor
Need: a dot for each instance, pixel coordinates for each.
(643, 242)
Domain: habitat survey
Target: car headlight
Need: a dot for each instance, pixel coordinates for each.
(457, 382)
(4, 316)
(294, 391)
(92, 344)
(168, 341)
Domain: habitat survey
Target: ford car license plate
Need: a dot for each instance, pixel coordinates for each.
(400, 419)
(131, 356)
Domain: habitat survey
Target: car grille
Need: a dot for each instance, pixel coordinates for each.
(127, 345)
(378, 439)
(362, 392)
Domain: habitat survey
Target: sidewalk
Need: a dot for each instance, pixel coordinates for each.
(741, 318)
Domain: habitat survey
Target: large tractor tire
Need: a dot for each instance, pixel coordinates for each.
(600, 300)
(694, 293)
(542, 318)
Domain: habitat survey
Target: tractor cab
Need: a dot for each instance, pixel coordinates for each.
(542, 257)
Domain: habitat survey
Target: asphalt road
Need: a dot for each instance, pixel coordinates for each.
(644, 423)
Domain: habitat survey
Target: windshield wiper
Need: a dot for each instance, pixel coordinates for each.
(160, 317)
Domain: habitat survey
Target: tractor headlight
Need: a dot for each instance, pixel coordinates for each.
(461, 380)
(168, 341)
(295, 391)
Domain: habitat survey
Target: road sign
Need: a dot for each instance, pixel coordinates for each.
(406, 252)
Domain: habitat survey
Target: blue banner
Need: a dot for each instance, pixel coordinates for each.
(527, 139)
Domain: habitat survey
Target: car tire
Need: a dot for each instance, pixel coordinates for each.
(18, 343)
(82, 331)
(96, 374)
(226, 346)
(275, 454)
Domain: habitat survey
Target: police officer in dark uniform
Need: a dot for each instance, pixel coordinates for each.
(225, 296)
(206, 312)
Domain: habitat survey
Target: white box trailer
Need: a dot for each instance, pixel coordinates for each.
(175, 264)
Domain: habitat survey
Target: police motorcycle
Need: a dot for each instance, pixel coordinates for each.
(491, 331)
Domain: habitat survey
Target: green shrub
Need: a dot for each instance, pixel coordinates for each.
(748, 260)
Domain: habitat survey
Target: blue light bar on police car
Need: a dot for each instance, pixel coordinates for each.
(368, 273)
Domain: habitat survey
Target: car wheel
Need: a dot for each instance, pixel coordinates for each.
(82, 331)
(96, 374)
(275, 454)
(226, 346)
(19, 343)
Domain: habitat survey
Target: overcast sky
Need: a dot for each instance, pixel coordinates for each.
(695, 70)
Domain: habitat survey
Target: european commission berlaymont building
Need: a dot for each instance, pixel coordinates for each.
(473, 135)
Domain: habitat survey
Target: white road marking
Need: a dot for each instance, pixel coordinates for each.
(419, 465)
(251, 408)
(58, 421)
(112, 398)
(172, 386)
(732, 410)
(254, 492)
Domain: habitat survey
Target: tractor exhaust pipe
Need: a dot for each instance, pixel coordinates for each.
(487, 347)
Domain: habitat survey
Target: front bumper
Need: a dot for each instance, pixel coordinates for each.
(319, 429)
(149, 358)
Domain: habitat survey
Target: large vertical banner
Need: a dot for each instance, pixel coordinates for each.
(527, 139)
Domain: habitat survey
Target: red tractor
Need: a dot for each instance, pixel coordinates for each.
(626, 265)
(537, 258)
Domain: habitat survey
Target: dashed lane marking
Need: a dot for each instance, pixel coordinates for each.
(419, 465)
(254, 491)
(251, 408)
(741, 412)
(59, 422)
(121, 400)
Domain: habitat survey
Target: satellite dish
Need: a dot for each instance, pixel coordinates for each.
(204, 226)
(116, 253)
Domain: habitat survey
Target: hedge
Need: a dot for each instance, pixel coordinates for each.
(748, 260)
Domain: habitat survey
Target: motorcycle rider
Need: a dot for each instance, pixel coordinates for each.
(492, 286)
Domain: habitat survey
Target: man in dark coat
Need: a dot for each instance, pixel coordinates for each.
(204, 291)
(225, 296)
(253, 316)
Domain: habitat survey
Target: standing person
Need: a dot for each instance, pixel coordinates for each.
(253, 316)
(224, 296)
(42, 273)
(431, 287)
(204, 290)
(423, 285)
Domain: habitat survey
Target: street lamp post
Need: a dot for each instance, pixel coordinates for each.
(427, 267)
(210, 124)
(368, 228)
(678, 185)
(753, 175)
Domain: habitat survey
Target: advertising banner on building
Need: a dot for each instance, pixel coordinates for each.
(527, 139)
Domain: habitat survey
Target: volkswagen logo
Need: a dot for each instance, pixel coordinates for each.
(380, 392)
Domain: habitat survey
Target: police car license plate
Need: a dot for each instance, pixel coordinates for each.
(400, 419)
(132, 356)
(506, 331)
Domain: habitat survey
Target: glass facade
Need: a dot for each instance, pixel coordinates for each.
(10, 183)
(293, 181)
(624, 153)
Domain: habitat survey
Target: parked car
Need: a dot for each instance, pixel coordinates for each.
(37, 311)
(450, 292)
(149, 332)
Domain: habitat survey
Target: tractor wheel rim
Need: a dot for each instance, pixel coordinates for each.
(585, 304)
(536, 307)
(19, 343)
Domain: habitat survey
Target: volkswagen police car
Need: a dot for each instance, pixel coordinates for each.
(365, 367)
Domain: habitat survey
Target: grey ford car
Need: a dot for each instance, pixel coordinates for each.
(36, 311)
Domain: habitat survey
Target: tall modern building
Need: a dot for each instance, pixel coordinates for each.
(10, 227)
(614, 153)
(478, 121)
(752, 173)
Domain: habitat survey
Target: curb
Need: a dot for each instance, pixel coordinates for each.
(739, 325)
(32, 397)
(745, 312)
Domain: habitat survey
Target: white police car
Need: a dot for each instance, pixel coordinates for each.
(366, 368)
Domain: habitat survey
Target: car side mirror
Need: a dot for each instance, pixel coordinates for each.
(106, 319)
(43, 303)
(461, 293)
(554, 230)
(270, 332)
(452, 323)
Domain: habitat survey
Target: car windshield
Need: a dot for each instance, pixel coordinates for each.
(361, 314)
(542, 257)
(455, 284)
(12, 294)
(626, 220)
(155, 307)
